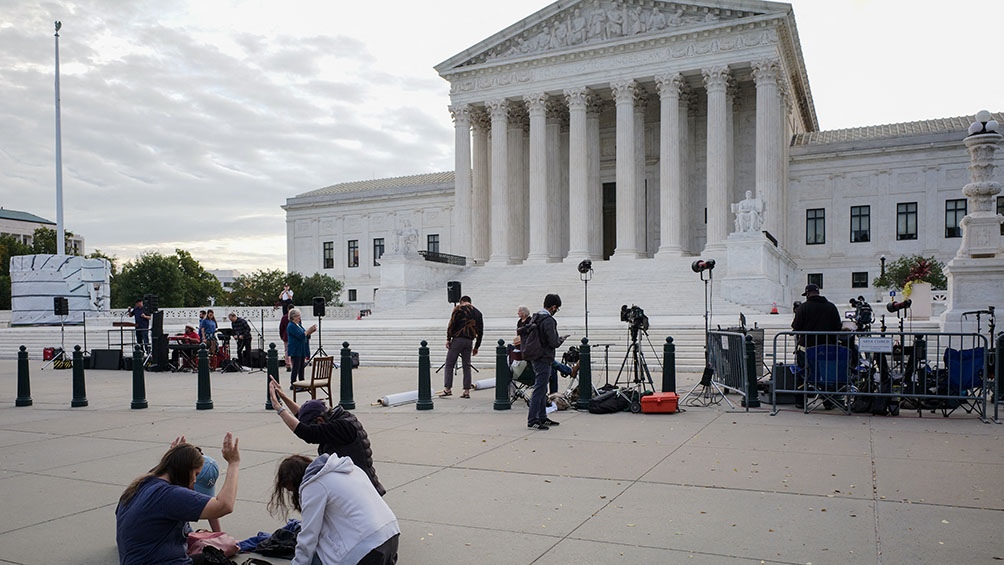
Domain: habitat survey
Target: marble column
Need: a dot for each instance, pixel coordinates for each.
(595, 187)
(716, 81)
(670, 179)
(499, 110)
(555, 193)
(537, 106)
(624, 92)
(769, 155)
(578, 174)
(641, 220)
(480, 186)
(517, 115)
(460, 241)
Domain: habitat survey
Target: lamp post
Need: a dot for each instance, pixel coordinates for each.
(60, 234)
(882, 271)
(586, 273)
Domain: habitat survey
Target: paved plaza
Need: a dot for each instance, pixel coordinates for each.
(470, 484)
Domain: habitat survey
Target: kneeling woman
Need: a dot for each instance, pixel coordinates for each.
(152, 513)
(344, 520)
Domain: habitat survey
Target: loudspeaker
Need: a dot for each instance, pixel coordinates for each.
(60, 306)
(106, 359)
(783, 379)
(318, 306)
(453, 292)
(158, 323)
(149, 303)
(257, 359)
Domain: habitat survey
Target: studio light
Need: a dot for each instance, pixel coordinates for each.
(897, 306)
(585, 273)
(585, 266)
(702, 265)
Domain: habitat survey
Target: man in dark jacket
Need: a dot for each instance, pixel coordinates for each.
(816, 314)
(335, 431)
(463, 338)
(545, 328)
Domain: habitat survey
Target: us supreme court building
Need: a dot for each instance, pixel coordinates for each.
(645, 131)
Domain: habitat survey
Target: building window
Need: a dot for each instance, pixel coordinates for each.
(432, 243)
(329, 254)
(815, 226)
(859, 279)
(815, 278)
(861, 224)
(353, 253)
(955, 210)
(377, 250)
(906, 220)
(352, 295)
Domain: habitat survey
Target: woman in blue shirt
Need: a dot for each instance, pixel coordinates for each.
(299, 344)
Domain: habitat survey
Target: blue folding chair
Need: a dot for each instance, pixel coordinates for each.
(965, 369)
(828, 375)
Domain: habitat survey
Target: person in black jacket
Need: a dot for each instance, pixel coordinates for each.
(335, 431)
(543, 329)
(816, 314)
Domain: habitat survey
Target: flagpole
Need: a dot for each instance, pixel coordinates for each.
(60, 238)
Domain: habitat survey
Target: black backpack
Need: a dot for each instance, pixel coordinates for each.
(529, 336)
(282, 543)
(609, 402)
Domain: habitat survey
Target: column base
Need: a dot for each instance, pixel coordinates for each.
(668, 251)
(973, 284)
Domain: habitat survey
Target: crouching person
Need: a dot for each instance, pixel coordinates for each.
(343, 518)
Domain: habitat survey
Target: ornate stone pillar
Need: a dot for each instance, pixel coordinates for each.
(499, 110)
(517, 117)
(716, 81)
(670, 178)
(769, 126)
(578, 174)
(624, 92)
(554, 115)
(595, 187)
(641, 219)
(460, 241)
(480, 186)
(536, 104)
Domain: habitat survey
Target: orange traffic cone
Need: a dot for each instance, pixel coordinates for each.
(773, 308)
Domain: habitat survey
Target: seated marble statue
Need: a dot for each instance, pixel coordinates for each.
(749, 214)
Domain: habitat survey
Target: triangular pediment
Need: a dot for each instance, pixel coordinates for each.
(589, 23)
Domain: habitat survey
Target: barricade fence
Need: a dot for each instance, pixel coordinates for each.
(884, 372)
(728, 360)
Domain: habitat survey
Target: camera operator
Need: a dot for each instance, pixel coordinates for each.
(816, 314)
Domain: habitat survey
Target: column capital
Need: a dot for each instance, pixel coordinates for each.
(578, 98)
(766, 71)
(518, 113)
(461, 115)
(480, 118)
(499, 109)
(670, 84)
(536, 103)
(624, 91)
(556, 109)
(716, 78)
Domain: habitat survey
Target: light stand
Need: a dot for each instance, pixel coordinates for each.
(261, 343)
(585, 274)
(61, 356)
(710, 390)
(320, 348)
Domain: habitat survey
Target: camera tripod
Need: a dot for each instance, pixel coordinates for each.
(320, 348)
(638, 379)
(61, 356)
(710, 390)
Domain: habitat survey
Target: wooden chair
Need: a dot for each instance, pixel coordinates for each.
(320, 378)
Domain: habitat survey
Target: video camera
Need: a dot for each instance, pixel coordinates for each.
(635, 317)
(863, 315)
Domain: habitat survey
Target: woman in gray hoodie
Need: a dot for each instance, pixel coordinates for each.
(344, 519)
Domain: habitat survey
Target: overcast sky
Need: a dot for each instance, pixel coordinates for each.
(187, 124)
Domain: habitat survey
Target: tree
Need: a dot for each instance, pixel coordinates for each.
(10, 246)
(200, 287)
(910, 268)
(151, 273)
(97, 254)
(44, 241)
(260, 288)
(321, 285)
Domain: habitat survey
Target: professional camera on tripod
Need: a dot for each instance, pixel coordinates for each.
(637, 378)
(863, 315)
(636, 319)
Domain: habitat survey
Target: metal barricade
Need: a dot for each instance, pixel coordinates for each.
(884, 372)
(729, 370)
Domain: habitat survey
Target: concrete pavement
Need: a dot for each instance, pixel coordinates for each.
(472, 484)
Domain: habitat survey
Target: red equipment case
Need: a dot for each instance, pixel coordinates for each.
(659, 403)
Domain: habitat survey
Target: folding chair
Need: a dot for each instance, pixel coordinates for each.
(523, 378)
(965, 369)
(320, 378)
(828, 375)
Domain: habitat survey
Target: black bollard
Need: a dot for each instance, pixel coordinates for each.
(138, 380)
(585, 376)
(503, 376)
(346, 400)
(79, 391)
(273, 372)
(669, 366)
(23, 379)
(205, 401)
(752, 394)
(424, 378)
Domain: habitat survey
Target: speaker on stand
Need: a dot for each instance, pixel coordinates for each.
(453, 292)
(319, 314)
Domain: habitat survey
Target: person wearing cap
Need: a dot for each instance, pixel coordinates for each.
(154, 509)
(547, 332)
(816, 314)
(205, 483)
(336, 431)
